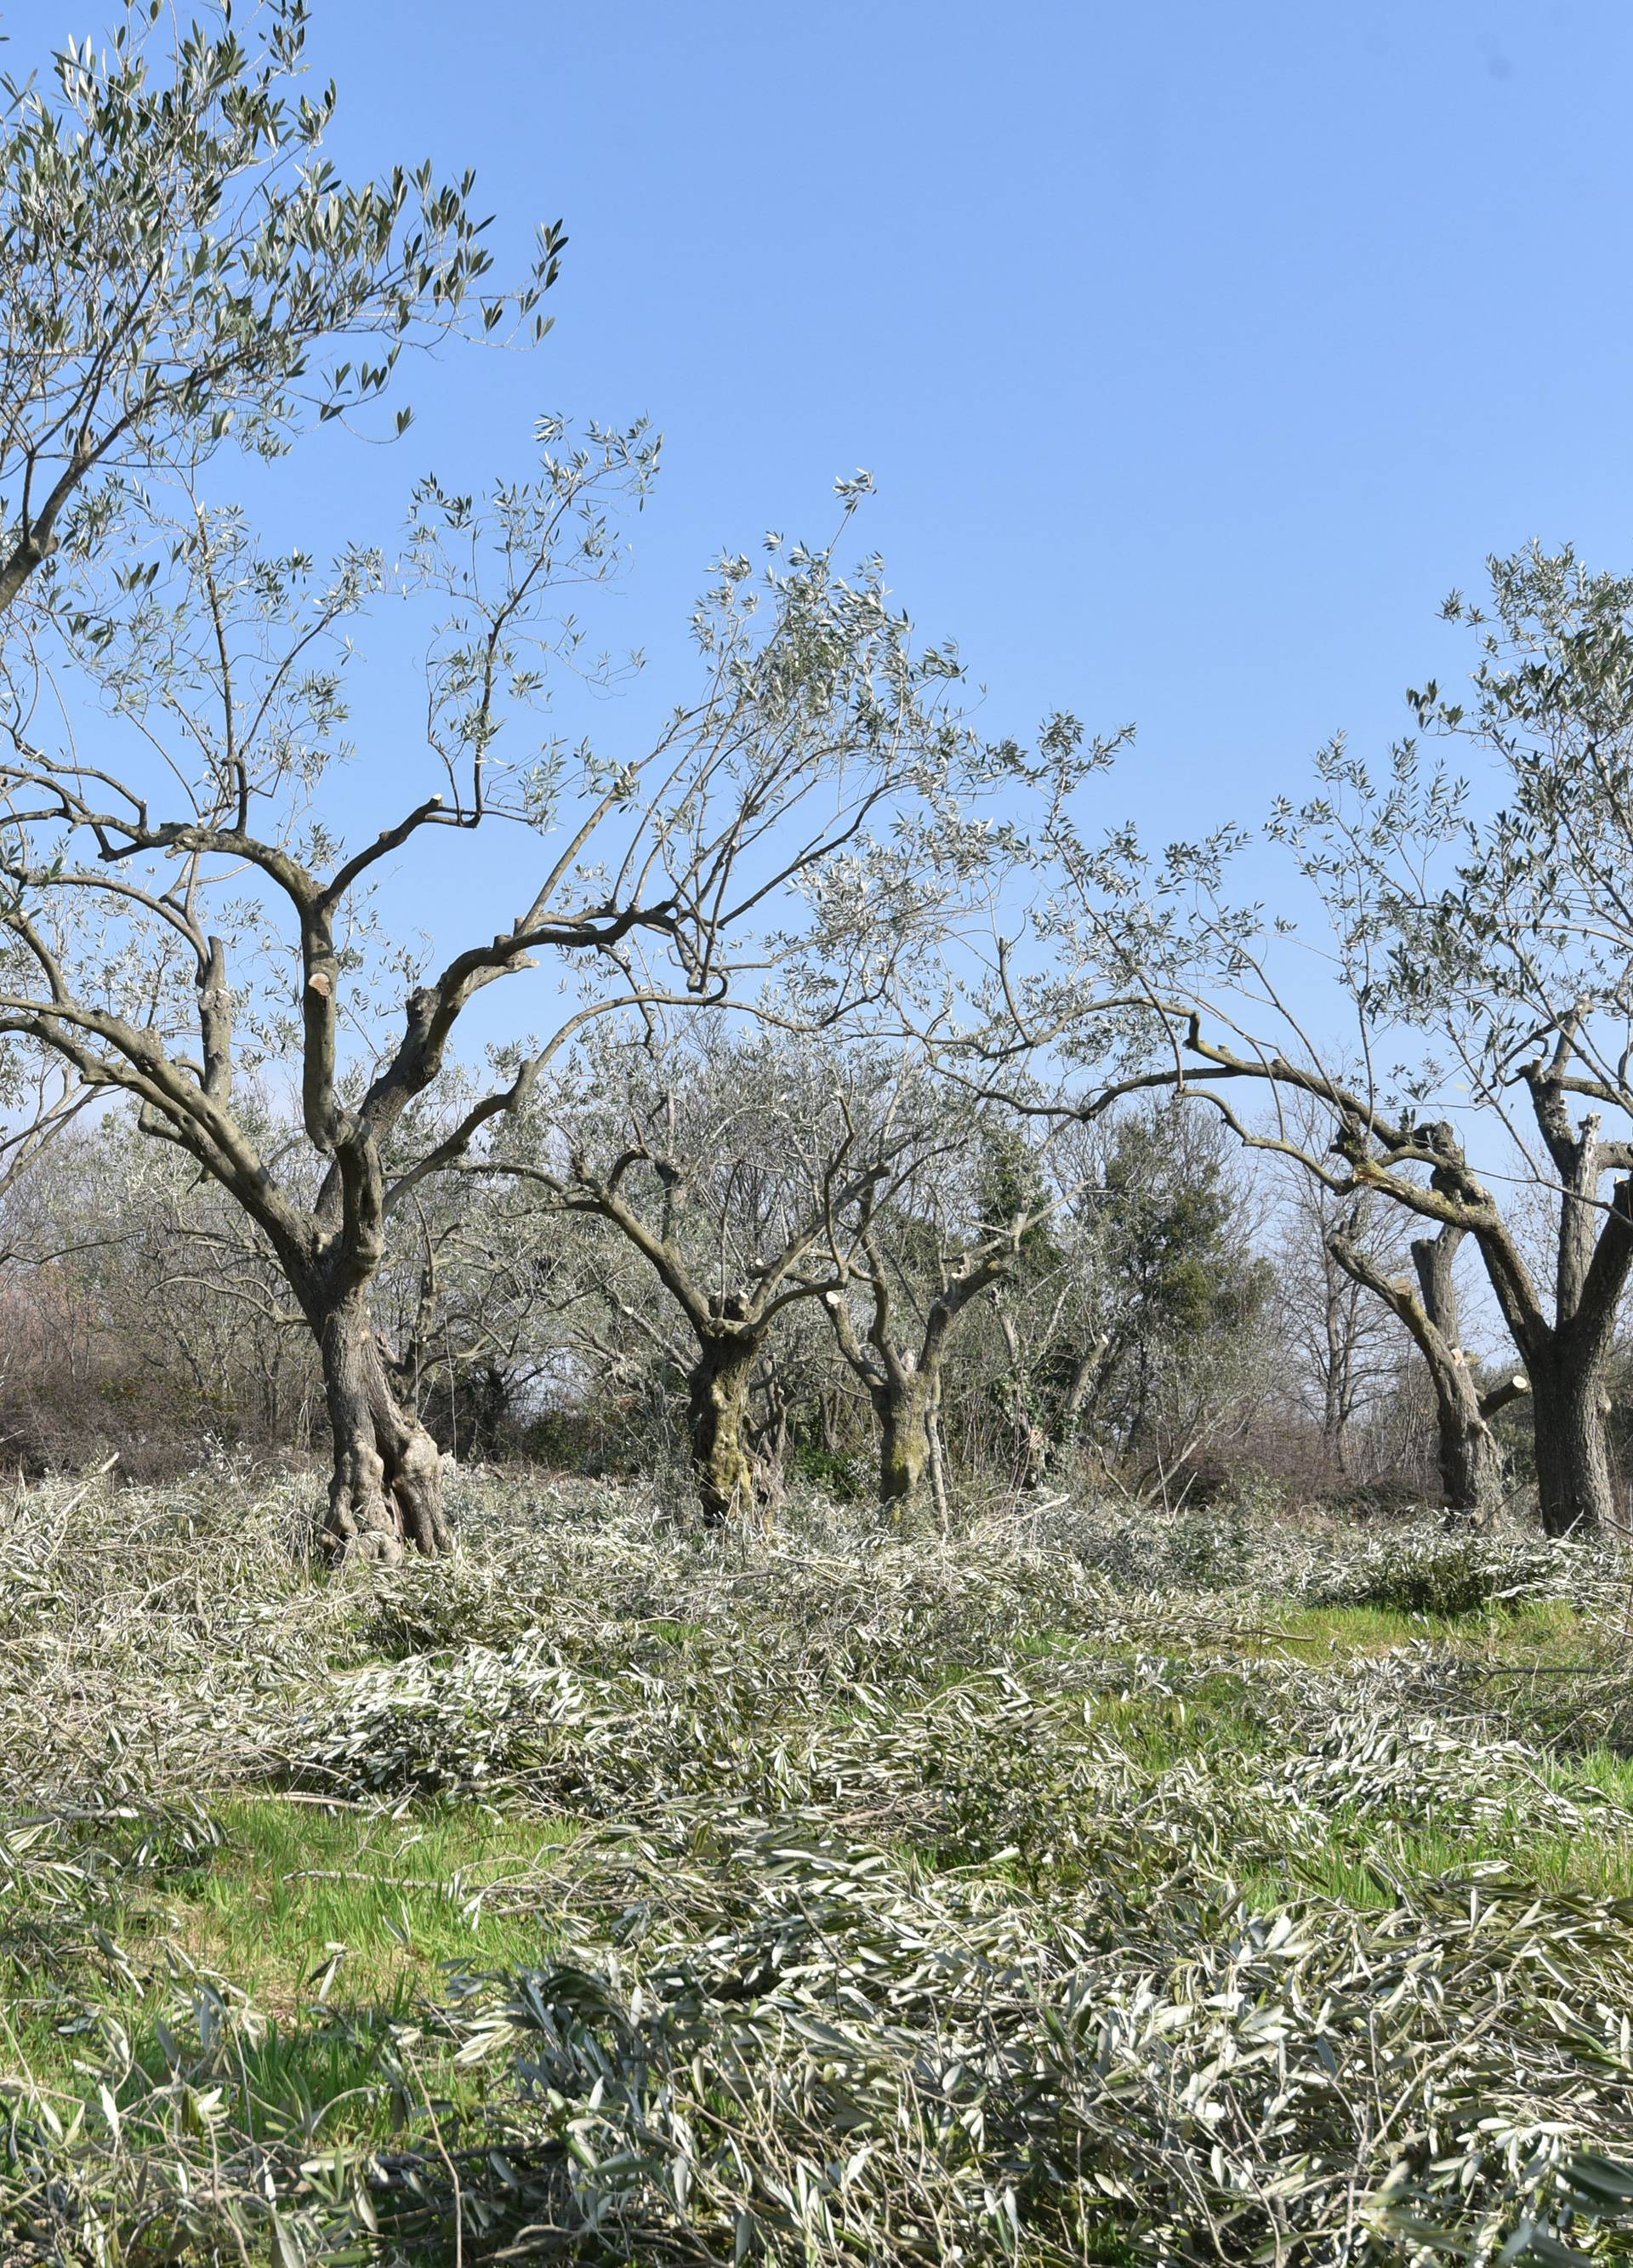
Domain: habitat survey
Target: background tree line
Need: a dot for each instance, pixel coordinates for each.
(1162, 1324)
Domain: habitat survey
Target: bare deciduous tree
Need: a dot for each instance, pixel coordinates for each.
(1344, 1336)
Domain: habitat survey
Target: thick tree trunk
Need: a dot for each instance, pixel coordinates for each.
(1467, 1452)
(386, 1491)
(902, 1406)
(717, 1418)
(1569, 1408)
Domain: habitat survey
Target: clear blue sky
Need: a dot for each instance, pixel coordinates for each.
(1198, 350)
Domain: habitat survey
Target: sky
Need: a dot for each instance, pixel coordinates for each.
(1197, 351)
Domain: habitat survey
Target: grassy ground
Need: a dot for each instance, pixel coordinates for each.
(1108, 1890)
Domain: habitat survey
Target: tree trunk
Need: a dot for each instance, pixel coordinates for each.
(717, 1418)
(386, 1491)
(1335, 1382)
(1467, 1450)
(938, 1464)
(828, 1418)
(903, 1409)
(1031, 1442)
(1088, 1374)
(1468, 1453)
(1569, 1408)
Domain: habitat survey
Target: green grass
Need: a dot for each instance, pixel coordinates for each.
(1528, 1630)
(1368, 1864)
(1372, 1871)
(337, 1927)
(291, 1884)
(1217, 1720)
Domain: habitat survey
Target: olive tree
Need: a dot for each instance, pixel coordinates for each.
(1565, 1340)
(180, 263)
(914, 1253)
(738, 1166)
(1482, 943)
(179, 908)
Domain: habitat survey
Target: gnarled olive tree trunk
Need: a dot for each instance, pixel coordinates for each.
(1467, 1455)
(903, 1383)
(386, 1489)
(717, 1410)
(1568, 1361)
(901, 1387)
(903, 1405)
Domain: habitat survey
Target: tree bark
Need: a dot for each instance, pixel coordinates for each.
(1467, 1452)
(386, 1491)
(718, 1419)
(938, 1464)
(1567, 1364)
(1568, 1407)
(902, 1407)
(904, 1385)
(1088, 1374)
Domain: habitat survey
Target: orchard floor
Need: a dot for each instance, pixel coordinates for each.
(1086, 1885)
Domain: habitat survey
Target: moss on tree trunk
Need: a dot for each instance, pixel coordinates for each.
(718, 1419)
